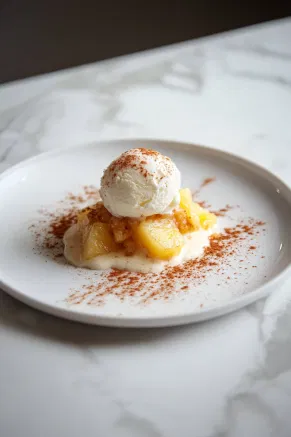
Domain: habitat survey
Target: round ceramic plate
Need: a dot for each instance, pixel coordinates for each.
(253, 205)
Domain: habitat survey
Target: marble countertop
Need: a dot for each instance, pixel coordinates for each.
(227, 377)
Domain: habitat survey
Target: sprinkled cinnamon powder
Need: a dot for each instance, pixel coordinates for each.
(203, 184)
(170, 282)
(203, 204)
(135, 159)
(149, 152)
(52, 226)
(207, 181)
(143, 288)
(222, 211)
(89, 193)
(260, 223)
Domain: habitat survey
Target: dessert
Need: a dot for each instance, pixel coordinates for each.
(144, 222)
(140, 183)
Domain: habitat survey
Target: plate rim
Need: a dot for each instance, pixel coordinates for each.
(164, 319)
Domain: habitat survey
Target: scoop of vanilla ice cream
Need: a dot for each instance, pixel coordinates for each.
(140, 183)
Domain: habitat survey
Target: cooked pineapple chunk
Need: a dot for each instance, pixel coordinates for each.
(192, 210)
(193, 218)
(181, 220)
(160, 237)
(82, 217)
(185, 199)
(197, 208)
(121, 229)
(97, 240)
(196, 215)
(207, 220)
(94, 213)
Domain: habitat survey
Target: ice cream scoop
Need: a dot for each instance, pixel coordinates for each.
(140, 183)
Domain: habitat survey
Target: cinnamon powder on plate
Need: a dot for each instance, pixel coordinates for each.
(173, 280)
(232, 243)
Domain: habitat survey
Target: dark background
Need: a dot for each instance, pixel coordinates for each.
(40, 36)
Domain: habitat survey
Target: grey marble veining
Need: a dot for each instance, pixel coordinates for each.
(227, 377)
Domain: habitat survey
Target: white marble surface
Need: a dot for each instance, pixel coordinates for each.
(228, 377)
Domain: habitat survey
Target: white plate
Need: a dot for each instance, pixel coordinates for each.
(43, 283)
